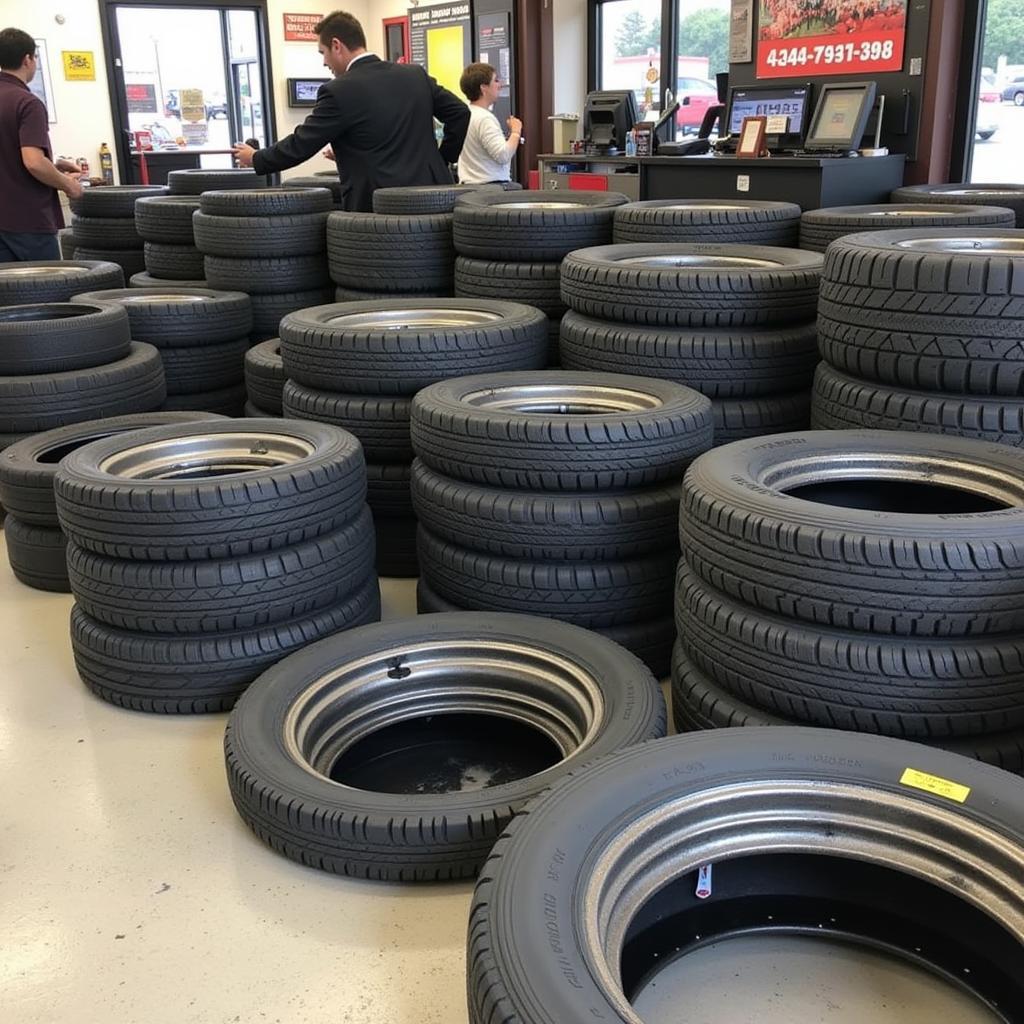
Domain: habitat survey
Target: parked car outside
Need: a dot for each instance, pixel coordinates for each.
(216, 110)
(987, 122)
(1015, 91)
(701, 94)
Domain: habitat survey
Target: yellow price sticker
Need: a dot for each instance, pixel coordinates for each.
(935, 784)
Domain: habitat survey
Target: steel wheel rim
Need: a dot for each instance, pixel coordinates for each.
(545, 205)
(994, 246)
(412, 318)
(562, 399)
(698, 262)
(141, 300)
(43, 271)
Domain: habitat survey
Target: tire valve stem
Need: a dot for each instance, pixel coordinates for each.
(396, 670)
(259, 448)
(703, 882)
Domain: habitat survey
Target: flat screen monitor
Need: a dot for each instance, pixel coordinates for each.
(608, 115)
(840, 116)
(302, 91)
(792, 101)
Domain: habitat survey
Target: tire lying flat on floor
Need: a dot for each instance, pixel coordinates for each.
(210, 490)
(421, 199)
(403, 814)
(297, 234)
(747, 222)
(693, 284)
(105, 233)
(737, 419)
(193, 182)
(266, 274)
(264, 375)
(1009, 195)
(277, 201)
(228, 401)
(877, 531)
(166, 219)
(57, 336)
(36, 554)
(55, 280)
(114, 200)
(596, 888)
(556, 430)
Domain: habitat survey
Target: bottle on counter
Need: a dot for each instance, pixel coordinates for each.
(631, 143)
(106, 164)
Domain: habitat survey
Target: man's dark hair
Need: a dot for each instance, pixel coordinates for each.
(344, 27)
(474, 78)
(15, 46)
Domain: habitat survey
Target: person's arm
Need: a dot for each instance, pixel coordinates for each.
(42, 168)
(492, 139)
(453, 113)
(326, 122)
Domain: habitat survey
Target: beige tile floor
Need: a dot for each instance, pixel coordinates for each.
(131, 893)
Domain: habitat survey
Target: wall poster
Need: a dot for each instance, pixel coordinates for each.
(830, 37)
(440, 38)
(741, 32)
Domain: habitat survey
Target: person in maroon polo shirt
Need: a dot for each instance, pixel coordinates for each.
(30, 214)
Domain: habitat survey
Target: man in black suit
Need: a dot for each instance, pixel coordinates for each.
(378, 117)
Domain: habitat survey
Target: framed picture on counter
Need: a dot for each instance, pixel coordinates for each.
(752, 133)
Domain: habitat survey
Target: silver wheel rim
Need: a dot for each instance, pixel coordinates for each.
(42, 271)
(706, 206)
(698, 262)
(804, 816)
(413, 318)
(512, 680)
(979, 192)
(205, 455)
(915, 211)
(986, 246)
(137, 300)
(562, 399)
(543, 206)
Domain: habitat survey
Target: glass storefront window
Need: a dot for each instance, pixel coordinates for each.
(629, 41)
(703, 52)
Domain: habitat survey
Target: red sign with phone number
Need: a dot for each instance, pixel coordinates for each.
(862, 53)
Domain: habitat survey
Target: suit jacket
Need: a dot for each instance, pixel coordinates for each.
(378, 118)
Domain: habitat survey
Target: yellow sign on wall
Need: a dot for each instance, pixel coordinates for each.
(79, 65)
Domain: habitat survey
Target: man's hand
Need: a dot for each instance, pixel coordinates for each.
(515, 126)
(68, 166)
(73, 188)
(243, 154)
(328, 154)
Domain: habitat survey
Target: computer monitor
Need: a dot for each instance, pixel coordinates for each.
(840, 116)
(665, 126)
(608, 115)
(792, 101)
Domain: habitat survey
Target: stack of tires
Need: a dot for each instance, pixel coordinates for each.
(202, 337)
(270, 244)
(921, 329)
(862, 580)
(194, 181)
(510, 245)
(103, 225)
(165, 225)
(64, 362)
(35, 542)
(818, 228)
(556, 493)
(358, 364)
(199, 555)
(735, 322)
(264, 379)
(1008, 195)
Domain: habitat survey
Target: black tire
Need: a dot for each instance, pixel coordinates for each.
(147, 280)
(840, 402)
(322, 350)
(446, 831)
(28, 467)
(396, 547)
(201, 673)
(651, 641)
(55, 280)
(114, 200)
(381, 423)
(362, 295)
(54, 337)
(35, 402)
(899, 686)
(536, 284)
(131, 261)
(374, 252)
(174, 262)
(618, 843)
(718, 287)
(700, 703)
(171, 316)
(229, 401)
(736, 419)
(422, 199)
(204, 368)
(279, 201)
(214, 516)
(716, 362)
(1010, 196)
(389, 489)
(298, 234)
(224, 595)
(166, 219)
(105, 233)
(819, 228)
(266, 275)
(192, 182)
(269, 310)
(527, 226)
(592, 594)
(329, 181)
(745, 221)
(36, 554)
(605, 526)
(925, 554)
(651, 433)
(898, 308)
(264, 376)
(255, 412)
